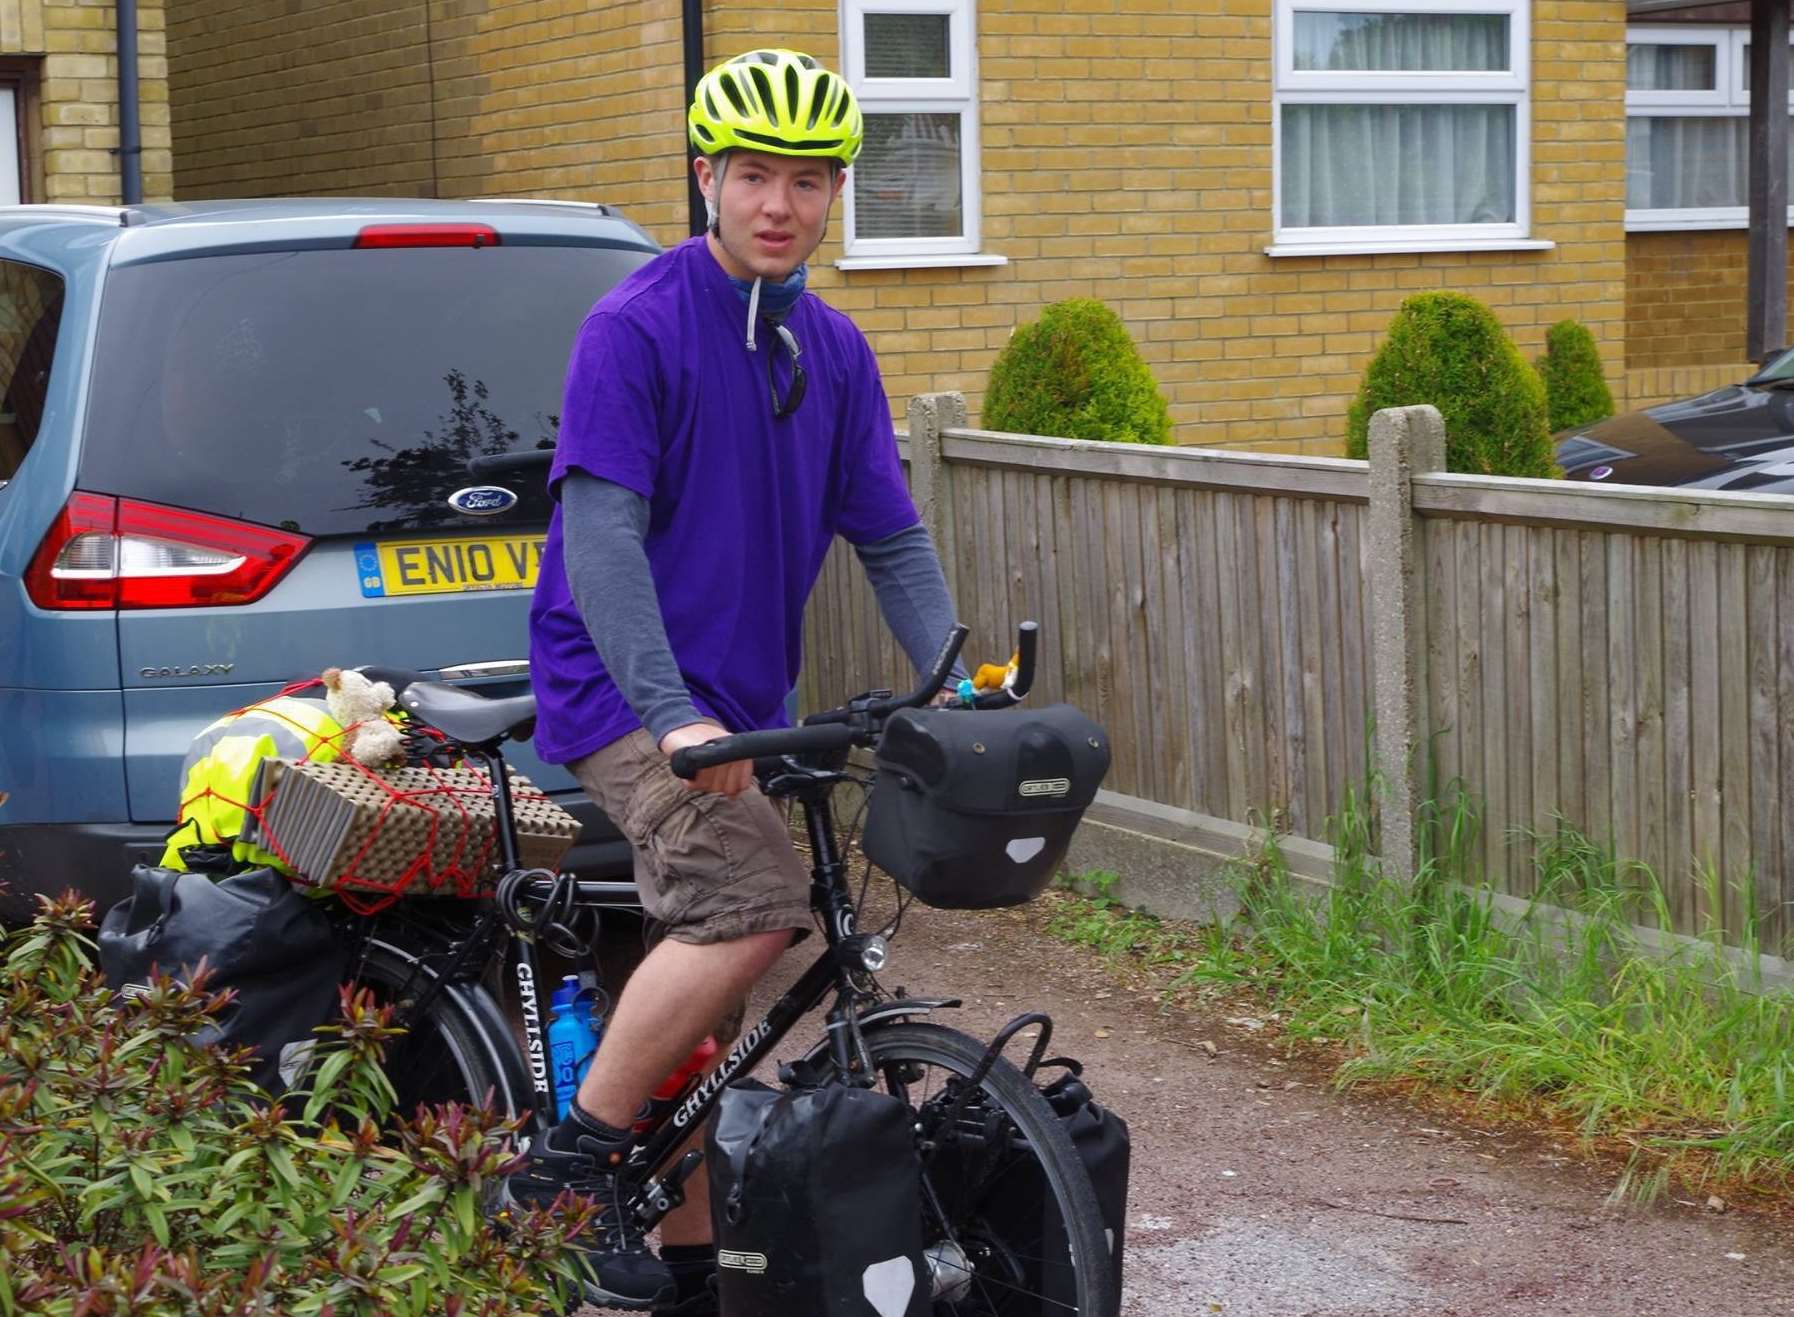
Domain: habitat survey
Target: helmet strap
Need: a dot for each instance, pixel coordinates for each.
(713, 203)
(785, 294)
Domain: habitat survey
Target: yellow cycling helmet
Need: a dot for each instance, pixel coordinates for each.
(777, 101)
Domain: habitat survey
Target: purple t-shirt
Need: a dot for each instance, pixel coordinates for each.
(664, 398)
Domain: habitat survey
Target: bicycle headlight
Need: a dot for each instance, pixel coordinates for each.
(875, 952)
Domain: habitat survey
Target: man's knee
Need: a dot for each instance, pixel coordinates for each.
(752, 956)
(740, 959)
(752, 945)
(760, 951)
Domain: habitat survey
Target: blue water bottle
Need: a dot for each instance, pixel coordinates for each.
(570, 1042)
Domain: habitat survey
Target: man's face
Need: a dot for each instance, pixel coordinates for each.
(772, 212)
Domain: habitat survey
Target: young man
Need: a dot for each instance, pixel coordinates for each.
(721, 427)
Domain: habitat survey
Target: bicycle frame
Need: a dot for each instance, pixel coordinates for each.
(833, 969)
(848, 953)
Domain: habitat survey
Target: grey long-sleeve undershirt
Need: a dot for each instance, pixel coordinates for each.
(604, 526)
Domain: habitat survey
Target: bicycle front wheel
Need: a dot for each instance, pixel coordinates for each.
(1010, 1222)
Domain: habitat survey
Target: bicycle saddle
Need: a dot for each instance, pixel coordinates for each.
(469, 716)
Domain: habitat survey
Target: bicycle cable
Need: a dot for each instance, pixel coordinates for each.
(854, 827)
(852, 839)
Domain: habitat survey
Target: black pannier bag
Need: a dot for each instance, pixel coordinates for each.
(974, 809)
(257, 934)
(815, 1197)
(1100, 1138)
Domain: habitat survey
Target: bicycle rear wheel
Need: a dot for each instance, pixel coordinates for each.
(460, 1049)
(1010, 1222)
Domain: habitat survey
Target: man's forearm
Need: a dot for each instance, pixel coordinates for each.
(603, 526)
(906, 577)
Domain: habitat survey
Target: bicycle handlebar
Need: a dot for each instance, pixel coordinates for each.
(1027, 637)
(861, 722)
(931, 685)
(693, 759)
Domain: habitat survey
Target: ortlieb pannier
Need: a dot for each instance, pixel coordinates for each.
(257, 935)
(815, 1197)
(974, 809)
(1101, 1140)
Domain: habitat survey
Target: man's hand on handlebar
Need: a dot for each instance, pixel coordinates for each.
(729, 779)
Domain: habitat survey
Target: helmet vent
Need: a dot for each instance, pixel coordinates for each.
(841, 102)
(710, 104)
(733, 91)
(763, 85)
(791, 89)
(817, 103)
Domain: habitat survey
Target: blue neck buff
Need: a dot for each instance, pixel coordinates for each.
(776, 300)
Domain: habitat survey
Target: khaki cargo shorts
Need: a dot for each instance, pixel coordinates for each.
(710, 868)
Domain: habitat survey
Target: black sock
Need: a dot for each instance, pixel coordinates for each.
(578, 1124)
(691, 1265)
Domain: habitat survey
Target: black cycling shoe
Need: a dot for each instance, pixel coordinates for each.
(698, 1305)
(616, 1269)
(695, 1295)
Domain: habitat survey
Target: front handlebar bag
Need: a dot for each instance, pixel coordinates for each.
(974, 809)
(816, 1201)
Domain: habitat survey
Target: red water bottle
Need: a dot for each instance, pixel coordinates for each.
(677, 1085)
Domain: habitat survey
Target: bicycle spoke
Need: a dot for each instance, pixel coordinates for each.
(421, 1072)
(982, 1279)
(1048, 1267)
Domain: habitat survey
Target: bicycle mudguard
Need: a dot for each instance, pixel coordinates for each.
(890, 1012)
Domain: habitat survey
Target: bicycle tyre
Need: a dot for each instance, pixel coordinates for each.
(461, 1048)
(896, 1048)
